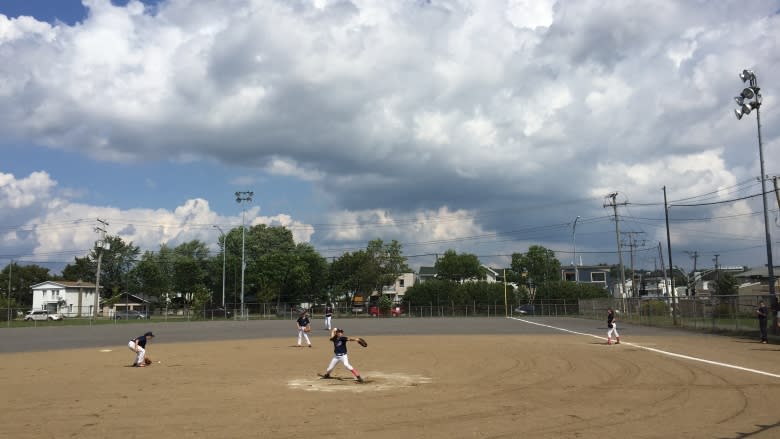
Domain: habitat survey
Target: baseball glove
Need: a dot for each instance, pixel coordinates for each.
(307, 328)
(147, 361)
(362, 342)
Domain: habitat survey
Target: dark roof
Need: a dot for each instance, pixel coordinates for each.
(762, 272)
(427, 271)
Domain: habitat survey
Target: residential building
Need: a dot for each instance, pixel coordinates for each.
(426, 273)
(755, 281)
(126, 302)
(69, 298)
(398, 289)
(591, 274)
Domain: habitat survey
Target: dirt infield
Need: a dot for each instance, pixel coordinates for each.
(550, 385)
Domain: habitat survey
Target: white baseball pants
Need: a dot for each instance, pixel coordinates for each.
(139, 354)
(302, 334)
(339, 358)
(611, 331)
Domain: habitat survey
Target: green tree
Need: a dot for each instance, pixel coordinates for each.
(388, 260)
(481, 292)
(22, 278)
(455, 267)
(81, 269)
(571, 291)
(726, 285)
(118, 259)
(539, 264)
(432, 292)
(149, 276)
(190, 263)
(353, 274)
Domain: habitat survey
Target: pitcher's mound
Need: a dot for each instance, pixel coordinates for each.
(372, 381)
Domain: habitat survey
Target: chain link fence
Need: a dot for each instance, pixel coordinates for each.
(732, 314)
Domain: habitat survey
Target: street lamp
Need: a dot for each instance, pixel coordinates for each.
(242, 198)
(224, 250)
(750, 99)
(574, 241)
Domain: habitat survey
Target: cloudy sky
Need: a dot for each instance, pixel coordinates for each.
(482, 126)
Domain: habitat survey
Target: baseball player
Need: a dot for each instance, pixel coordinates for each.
(612, 327)
(328, 316)
(762, 312)
(340, 353)
(303, 323)
(138, 345)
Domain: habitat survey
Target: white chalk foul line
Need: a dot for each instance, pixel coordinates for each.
(658, 351)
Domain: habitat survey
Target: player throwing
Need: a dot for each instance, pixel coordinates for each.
(612, 327)
(340, 353)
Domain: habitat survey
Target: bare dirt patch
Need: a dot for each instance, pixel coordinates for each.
(498, 386)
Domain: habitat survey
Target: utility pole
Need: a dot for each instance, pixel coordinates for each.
(224, 250)
(8, 296)
(695, 256)
(671, 266)
(574, 241)
(661, 257)
(99, 246)
(631, 245)
(717, 266)
(614, 205)
(242, 198)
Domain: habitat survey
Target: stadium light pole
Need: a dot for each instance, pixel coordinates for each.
(750, 99)
(224, 249)
(243, 197)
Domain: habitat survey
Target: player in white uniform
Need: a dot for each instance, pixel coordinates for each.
(138, 345)
(340, 354)
(612, 327)
(328, 316)
(303, 324)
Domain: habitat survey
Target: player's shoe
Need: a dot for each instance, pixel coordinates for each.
(324, 376)
(360, 380)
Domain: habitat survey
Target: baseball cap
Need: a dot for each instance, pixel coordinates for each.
(339, 330)
(149, 334)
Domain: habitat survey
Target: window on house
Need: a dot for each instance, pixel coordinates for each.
(598, 277)
(569, 277)
(400, 282)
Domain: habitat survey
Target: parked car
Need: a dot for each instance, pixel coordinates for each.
(129, 314)
(217, 313)
(527, 308)
(395, 311)
(40, 314)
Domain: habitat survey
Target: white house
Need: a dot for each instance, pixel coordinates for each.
(69, 298)
(399, 287)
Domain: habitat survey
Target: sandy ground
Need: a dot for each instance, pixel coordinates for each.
(426, 386)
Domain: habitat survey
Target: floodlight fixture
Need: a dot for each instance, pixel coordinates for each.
(748, 100)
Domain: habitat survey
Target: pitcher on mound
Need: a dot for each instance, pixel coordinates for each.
(340, 354)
